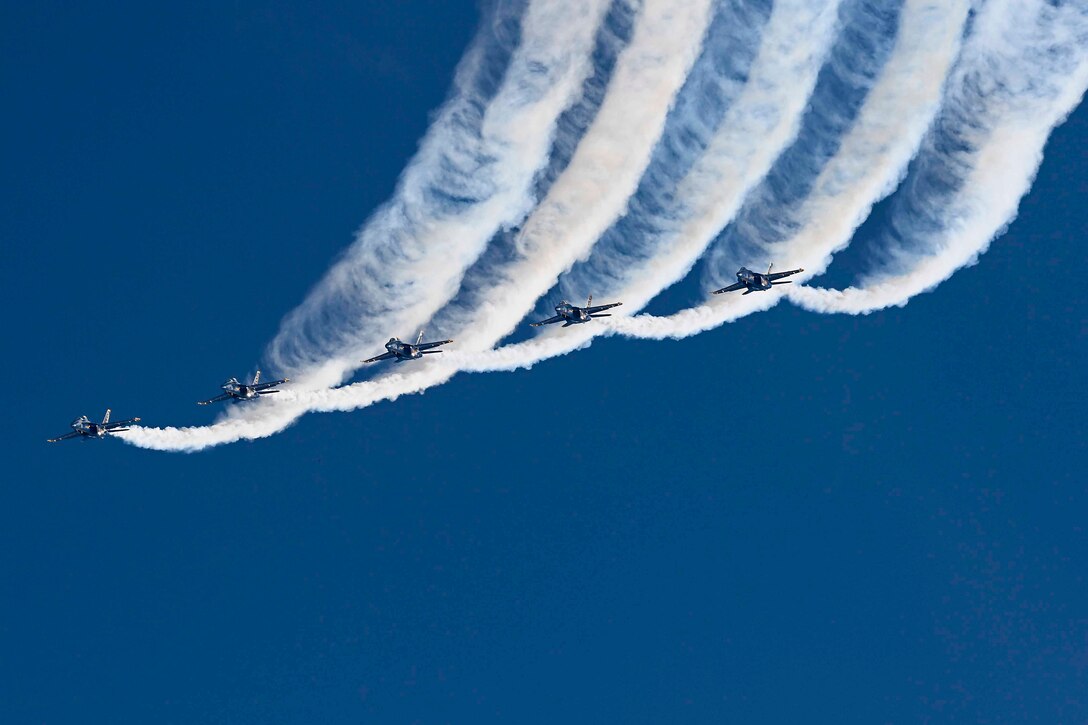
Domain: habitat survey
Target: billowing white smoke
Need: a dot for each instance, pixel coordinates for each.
(870, 158)
(1022, 73)
(663, 239)
(602, 175)
(588, 195)
(472, 175)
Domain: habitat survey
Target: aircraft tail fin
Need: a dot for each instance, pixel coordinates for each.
(106, 417)
(770, 267)
(257, 376)
(589, 302)
(419, 340)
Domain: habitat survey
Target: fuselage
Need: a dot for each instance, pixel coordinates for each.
(403, 350)
(238, 391)
(754, 281)
(87, 429)
(572, 314)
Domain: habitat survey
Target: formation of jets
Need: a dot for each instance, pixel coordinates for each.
(401, 351)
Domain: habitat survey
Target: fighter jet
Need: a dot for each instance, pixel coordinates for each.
(234, 390)
(756, 282)
(570, 314)
(83, 427)
(402, 351)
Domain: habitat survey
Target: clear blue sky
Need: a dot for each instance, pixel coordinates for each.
(795, 518)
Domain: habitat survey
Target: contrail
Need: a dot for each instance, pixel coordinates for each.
(586, 197)
(871, 158)
(1024, 72)
(774, 79)
(659, 240)
(613, 35)
(472, 175)
(602, 175)
(1021, 69)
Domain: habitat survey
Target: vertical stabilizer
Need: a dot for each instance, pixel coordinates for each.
(106, 417)
(419, 340)
(257, 376)
(589, 302)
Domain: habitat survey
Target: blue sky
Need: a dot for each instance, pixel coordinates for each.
(795, 517)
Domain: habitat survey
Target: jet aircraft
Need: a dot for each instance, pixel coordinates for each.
(756, 282)
(570, 314)
(402, 351)
(82, 427)
(234, 390)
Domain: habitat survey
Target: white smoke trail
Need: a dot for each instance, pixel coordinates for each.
(871, 159)
(877, 144)
(602, 175)
(1027, 69)
(761, 122)
(585, 199)
(472, 175)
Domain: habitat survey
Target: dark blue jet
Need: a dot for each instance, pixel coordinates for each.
(85, 429)
(234, 390)
(756, 282)
(570, 314)
(402, 351)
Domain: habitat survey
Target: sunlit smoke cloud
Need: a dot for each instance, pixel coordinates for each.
(999, 92)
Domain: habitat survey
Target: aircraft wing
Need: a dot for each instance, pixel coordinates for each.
(601, 308)
(216, 399)
(119, 423)
(429, 345)
(548, 321)
(270, 384)
(731, 288)
(780, 275)
(66, 436)
(383, 356)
